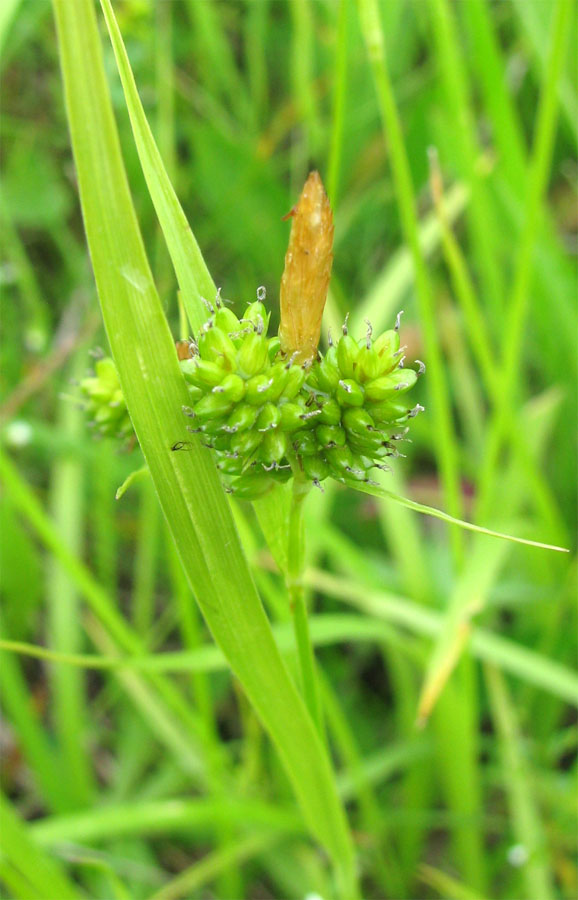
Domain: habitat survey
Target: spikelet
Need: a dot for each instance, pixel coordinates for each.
(307, 272)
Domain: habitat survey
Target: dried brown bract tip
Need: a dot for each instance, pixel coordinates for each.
(307, 271)
(185, 349)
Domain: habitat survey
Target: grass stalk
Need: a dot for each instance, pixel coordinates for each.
(298, 606)
(64, 621)
(481, 214)
(146, 561)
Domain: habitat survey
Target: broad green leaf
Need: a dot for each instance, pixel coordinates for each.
(187, 483)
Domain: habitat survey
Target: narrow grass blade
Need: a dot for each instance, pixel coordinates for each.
(518, 784)
(69, 691)
(539, 170)
(192, 274)
(328, 629)
(212, 865)
(216, 56)
(377, 491)
(164, 817)
(182, 725)
(445, 445)
(391, 287)
(47, 878)
(188, 485)
(482, 348)
(341, 54)
(467, 599)
(449, 888)
(482, 215)
(35, 745)
(485, 559)
(512, 657)
(131, 479)
(201, 815)
(533, 15)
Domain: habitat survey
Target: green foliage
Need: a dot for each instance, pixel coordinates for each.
(134, 764)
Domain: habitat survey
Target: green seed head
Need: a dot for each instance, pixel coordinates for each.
(273, 448)
(253, 355)
(216, 346)
(267, 416)
(349, 393)
(347, 352)
(104, 401)
(227, 321)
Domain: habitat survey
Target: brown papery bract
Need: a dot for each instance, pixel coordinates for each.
(307, 271)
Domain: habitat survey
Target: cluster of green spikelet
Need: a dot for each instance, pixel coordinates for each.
(267, 416)
(104, 401)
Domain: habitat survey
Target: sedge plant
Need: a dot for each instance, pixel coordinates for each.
(234, 409)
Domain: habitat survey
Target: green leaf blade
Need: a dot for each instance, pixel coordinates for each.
(377, 491)
(192, 274)
(187, 483)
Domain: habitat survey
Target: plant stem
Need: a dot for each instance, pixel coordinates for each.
(295, 569)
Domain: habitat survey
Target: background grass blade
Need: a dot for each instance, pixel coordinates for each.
(40, 875)
(377, 491)
(518, 783)
(445, 443)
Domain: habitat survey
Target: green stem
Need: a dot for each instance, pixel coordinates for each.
(295, 569)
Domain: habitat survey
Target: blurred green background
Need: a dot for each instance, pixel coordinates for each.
(244, 99)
